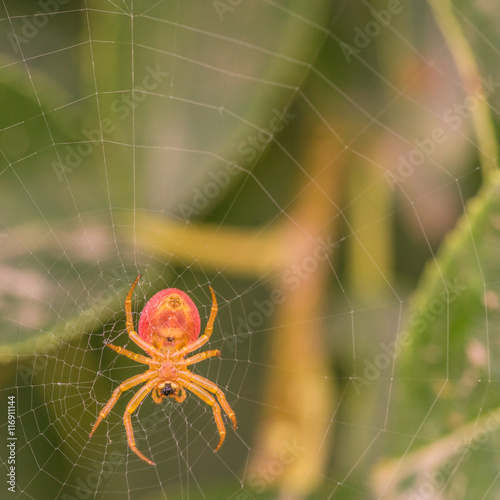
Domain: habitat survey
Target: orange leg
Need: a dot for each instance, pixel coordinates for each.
(144, 345)
(128, 305)
(132, 355)
(181, 395)
(208, 330)
(124, 386)
(210, 386)
(130, 324)
(200, 357)
(131, 407)
(157, 396)
(210, 400)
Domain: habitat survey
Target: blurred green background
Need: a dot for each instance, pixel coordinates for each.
(329, 168)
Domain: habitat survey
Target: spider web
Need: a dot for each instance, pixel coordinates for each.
(134, 136)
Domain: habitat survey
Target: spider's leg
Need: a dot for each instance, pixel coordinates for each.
(213, 313)
(210, 386)
(180, 396)
(132, 355)
(130, 323)
(208, 330)
(128, 305)
(131, 407)
(210, 400)
(200, 357)
(157, 396)
(145, 346)
(124, 386)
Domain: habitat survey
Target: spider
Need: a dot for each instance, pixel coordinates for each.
(169, 329)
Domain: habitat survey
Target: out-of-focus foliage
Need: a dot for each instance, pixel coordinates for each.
(114, 119)
(444, 414)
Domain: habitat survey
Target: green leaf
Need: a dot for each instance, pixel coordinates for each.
(443, 410)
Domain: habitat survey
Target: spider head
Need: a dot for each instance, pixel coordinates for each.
(169, 320)
(169, 389)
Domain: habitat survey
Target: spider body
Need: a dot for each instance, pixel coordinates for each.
(169, 320)
(169, 330)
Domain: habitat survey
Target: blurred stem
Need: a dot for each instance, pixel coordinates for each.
(369, 271)
(299, 398)
(467, 67)
(246, 252)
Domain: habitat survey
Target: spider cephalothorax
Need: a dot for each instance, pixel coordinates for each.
(169, 329)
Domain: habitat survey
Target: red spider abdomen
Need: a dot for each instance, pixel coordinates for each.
(169, 320)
